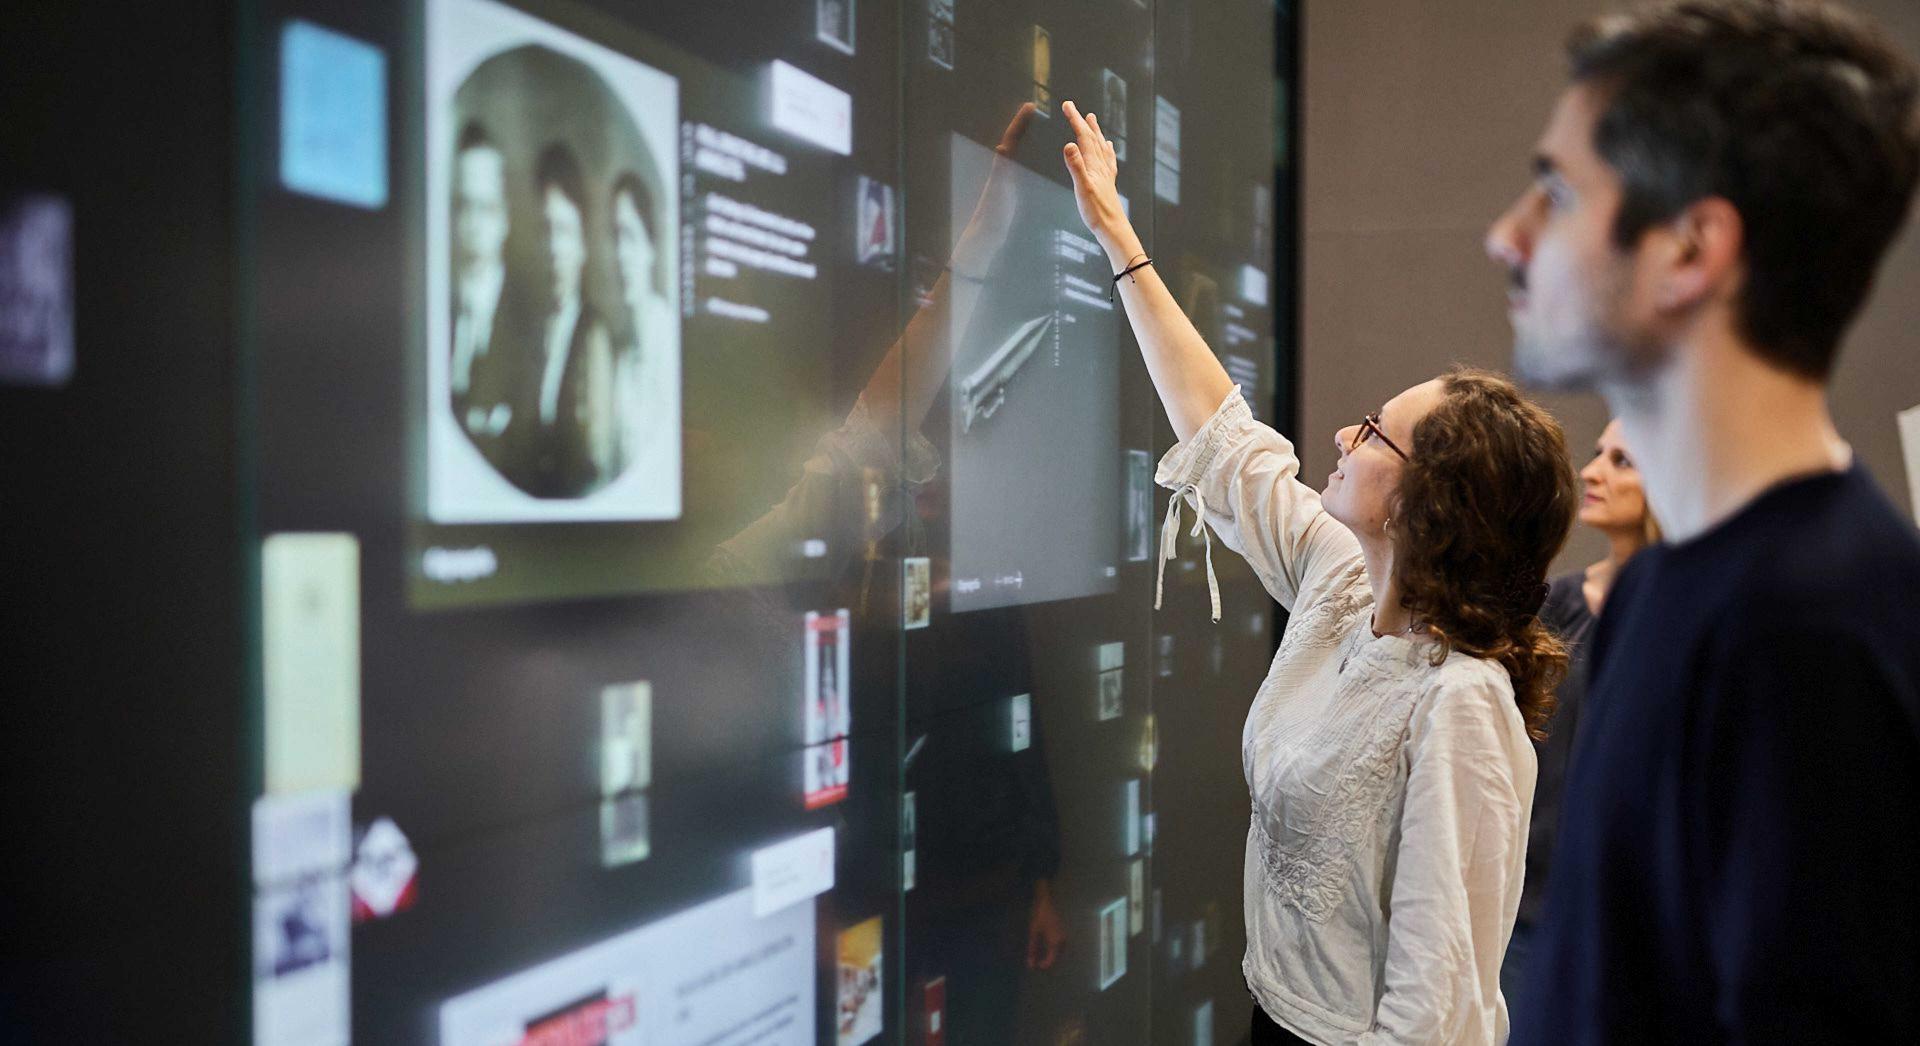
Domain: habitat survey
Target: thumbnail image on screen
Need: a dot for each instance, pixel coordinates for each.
(553, 356)
(1035, 404)
(733, 977)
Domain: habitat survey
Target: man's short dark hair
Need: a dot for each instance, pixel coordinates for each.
(1800, 114)
(473, 136)
(557, 167)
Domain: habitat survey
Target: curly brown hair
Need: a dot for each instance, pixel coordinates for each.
(1485, 502)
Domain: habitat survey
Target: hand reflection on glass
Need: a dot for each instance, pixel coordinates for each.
(1046, 931)
(919, 350)
(880, 443)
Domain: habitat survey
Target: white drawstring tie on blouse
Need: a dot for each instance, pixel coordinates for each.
(1170, 540)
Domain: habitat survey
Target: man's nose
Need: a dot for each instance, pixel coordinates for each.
(1509, 240)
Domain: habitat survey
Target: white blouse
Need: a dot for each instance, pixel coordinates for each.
(1390, 795)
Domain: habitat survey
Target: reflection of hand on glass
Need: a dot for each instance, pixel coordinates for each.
(1046, 931)
(986, 231)
(897, 400)
(881, 436)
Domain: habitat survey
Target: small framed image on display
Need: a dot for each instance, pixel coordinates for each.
(833, 24)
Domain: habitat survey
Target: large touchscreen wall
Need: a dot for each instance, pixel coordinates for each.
(702, 491)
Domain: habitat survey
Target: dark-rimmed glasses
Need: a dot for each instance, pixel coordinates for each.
(1370, 426)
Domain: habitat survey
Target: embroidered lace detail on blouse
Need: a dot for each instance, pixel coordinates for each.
(1311, 873)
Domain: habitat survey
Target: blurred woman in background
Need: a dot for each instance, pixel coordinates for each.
(1613, 502)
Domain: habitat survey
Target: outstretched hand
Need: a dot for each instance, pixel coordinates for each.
(1095, 169)
(986, 232)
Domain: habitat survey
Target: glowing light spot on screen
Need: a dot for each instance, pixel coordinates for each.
(333, 116)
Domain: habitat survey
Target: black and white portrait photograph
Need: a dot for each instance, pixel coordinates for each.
(553, 355)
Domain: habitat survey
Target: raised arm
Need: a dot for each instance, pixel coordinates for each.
(1188, 376)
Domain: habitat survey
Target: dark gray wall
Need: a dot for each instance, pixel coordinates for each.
(121, 648)
(1419, 120)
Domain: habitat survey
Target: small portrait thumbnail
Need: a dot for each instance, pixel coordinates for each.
(833, 24)
(1112, 672)
(875, 224)
(1113, 942)
(917, 600)
(624, 834)
(862, 973)
(626, 738)
(940, 33)
(1020, 722)
(909, 839)
(827, 773)
(828, 709)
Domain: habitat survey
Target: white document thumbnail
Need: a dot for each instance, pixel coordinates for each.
(711, 974)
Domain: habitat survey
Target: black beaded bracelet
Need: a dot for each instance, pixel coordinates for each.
(1128, 271)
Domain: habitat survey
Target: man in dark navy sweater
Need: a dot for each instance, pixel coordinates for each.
(1737, 859)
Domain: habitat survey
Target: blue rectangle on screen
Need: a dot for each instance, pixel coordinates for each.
(333, 116)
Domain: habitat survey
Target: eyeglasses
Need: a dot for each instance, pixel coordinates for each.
(1370, 426)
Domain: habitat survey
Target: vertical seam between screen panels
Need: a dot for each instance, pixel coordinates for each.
(901, 289)
(245, 166)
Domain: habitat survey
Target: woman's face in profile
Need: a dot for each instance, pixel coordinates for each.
(1611, 495)
(1366, 477)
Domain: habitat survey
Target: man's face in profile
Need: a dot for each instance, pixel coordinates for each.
(566, 243)
(1570, 293)
(633, 251)
(479, 209)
